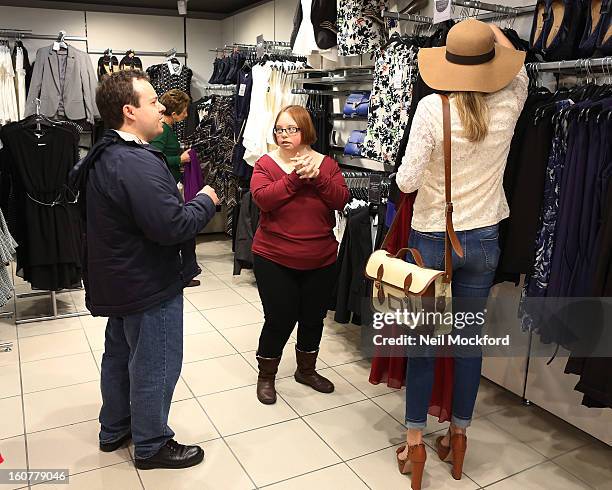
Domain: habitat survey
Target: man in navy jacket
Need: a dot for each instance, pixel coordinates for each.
(139, 254)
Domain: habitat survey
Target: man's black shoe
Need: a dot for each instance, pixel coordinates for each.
(109, 447)
(172, 455)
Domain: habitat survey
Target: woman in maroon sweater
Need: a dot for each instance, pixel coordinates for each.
(297, 191)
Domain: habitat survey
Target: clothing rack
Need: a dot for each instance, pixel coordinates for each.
(494, 9)
(220, 88)
(161, 54)
(333, 93)
(582, 65)
(53, 298)
(23, 34)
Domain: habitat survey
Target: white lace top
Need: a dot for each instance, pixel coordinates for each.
(477, 168)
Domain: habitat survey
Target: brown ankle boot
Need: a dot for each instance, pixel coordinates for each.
(306, 373)
(266, 393)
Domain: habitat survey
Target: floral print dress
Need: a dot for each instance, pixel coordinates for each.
(394, 76)
(536, 284)
(358, 31)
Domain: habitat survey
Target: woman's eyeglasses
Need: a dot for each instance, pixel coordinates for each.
(290, 130)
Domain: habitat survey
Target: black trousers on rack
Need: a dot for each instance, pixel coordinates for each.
(289, 296)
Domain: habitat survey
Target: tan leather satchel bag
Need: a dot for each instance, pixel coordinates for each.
(404, 287)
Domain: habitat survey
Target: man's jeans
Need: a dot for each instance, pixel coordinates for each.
(142, 360)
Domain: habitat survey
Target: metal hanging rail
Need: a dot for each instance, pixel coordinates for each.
(493, 9)
(21, 34)
(161, 54)
(306, 91)
(582, 65)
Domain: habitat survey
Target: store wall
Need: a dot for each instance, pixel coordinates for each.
(121, 32)
(273, 19)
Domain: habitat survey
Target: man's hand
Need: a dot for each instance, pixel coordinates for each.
(185, 157)
(210, 192)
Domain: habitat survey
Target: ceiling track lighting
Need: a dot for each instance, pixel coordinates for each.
(182, 6)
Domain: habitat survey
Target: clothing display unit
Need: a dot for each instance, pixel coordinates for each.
(318, 54)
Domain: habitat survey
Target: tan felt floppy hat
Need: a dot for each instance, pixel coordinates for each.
(471, 61)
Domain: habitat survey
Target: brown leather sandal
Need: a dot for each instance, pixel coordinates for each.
(414, 464)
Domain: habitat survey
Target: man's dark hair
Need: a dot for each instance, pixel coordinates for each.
(115, 91)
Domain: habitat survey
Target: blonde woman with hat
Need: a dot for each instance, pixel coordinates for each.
(487, 87)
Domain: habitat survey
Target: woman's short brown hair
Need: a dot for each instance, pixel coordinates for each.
(303, 120)
(175, 101)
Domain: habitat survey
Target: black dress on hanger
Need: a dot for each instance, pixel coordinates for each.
(47, 223)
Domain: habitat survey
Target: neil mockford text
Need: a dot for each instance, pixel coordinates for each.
(441, 340)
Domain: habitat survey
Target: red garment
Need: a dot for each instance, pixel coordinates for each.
(389, 362)
(296, 218)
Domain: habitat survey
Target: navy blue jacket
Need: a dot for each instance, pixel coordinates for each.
(140, 243)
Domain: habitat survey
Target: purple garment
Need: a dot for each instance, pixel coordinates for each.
(192, 178)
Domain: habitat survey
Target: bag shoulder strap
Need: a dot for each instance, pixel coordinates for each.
(451, 241)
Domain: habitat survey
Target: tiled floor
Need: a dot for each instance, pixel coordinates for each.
(49, 402)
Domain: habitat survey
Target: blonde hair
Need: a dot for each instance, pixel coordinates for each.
(474, 114)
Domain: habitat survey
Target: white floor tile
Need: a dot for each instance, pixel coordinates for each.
(332, 478)
(181, 391)
(59, 371)
(8, 331)
(379, 471)
(14, 454)
(542, 477)
(96, 335)
(8, 358)
(190, 423)
(540, 430)
(592, 464)
(244, 338)
(187, 306)
(11, 420)
(220, 267)
(493, 454)
(220, 298)
(205, 346)
(246, 278)
(281, 451)
(50, 326)
(74, 447)
(219, 470)
(195, 322)
(219, 374)
(304, 400)
(62, 406)
(10, 380)
(90, 321)
(119, 476)
(357, 429)
(53, 345)
(491, 398)
(357, 373)
(250, 293)
(336, 350)
(258, 305)
(207, 283)
(239, 410)
(233, 316)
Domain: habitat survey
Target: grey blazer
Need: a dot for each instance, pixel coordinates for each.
(80, 84)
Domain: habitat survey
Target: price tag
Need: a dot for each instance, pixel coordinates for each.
(374, 190)
(442, 11)
(398, 78)
(242, 90)
(56, 46)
